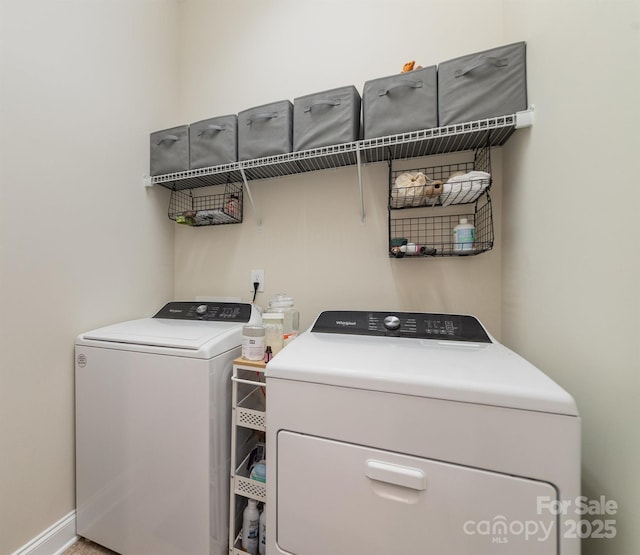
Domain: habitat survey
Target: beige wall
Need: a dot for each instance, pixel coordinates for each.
(312, 244)
(82, 243)
(563, 289)
(571, 265)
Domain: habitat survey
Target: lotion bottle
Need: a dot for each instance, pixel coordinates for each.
(464, 235)
(250, 527)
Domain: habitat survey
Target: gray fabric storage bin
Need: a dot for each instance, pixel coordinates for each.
(326, 118)
(400, 103)
(265, 130)
(213, 142)
(169, 150)
(483, 85)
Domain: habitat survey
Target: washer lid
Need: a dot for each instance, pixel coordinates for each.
(465, 371)
(180, 334)
(192, 326)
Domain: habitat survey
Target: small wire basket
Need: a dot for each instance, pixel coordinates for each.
(224, 207)
(433, 235)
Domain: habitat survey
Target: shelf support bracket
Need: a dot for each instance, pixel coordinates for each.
(524, 118)
(360, 188)
(248, 189)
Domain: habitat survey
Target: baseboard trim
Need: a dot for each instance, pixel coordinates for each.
(54, 540)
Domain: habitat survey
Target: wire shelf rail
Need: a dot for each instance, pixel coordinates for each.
(439, 140)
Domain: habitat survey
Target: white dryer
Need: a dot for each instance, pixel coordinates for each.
(392, 433)
(153, 429)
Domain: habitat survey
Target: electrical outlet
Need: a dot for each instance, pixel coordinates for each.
(257, 275)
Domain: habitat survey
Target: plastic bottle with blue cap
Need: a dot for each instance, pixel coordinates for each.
(464, 235)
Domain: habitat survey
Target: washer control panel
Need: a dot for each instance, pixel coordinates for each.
(417, 325)
(209, 311)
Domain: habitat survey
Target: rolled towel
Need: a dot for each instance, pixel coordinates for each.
(408, 189)
(460, 189)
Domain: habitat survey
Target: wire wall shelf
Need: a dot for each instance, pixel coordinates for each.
(439, 140)
(422, 217)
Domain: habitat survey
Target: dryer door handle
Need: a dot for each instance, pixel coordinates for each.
(404, 476)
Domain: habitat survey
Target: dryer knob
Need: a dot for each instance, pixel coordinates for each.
(392, 322)
(202, 309)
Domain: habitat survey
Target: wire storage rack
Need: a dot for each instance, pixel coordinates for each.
(224, 206)
(433, 200)
(248, 426)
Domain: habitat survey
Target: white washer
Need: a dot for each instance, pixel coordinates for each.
(153, 429)
(393, 433)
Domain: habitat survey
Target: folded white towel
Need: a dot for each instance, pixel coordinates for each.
(464, 188)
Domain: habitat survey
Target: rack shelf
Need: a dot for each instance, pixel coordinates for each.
(426, 225)
(438, 140)
(248, 422)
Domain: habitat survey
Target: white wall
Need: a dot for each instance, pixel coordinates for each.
(571, 265)
(562, 291)
(241, 54)
(82, 243)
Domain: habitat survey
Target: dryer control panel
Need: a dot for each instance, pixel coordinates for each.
(417, 325)
(209, 311)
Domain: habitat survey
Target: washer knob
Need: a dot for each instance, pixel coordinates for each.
(202, 309)
(392, 322)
